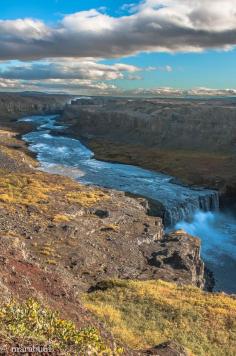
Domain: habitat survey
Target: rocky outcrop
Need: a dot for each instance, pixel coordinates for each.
(178, 252)
(169, 348)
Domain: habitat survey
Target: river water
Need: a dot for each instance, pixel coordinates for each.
(195, 210)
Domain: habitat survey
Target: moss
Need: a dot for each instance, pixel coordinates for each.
(144, 314)
(30, 321)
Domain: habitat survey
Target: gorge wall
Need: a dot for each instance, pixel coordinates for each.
(173, 124)
(14, 105)
(194, 140)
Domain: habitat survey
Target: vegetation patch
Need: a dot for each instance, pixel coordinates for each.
(87, 198)
(25, 189)
(29, 321)
(60, 218)
(144, 314)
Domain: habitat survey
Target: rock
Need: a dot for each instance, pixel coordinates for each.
(179, 253)
(102, 213)
(169, 348)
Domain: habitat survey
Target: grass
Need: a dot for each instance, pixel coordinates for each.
(193, 167)
(30, 322)
(25, 189)
(15, 155)
(86, 198)
(144, 314)
(60, 218)
(35, 188)
(49, 251)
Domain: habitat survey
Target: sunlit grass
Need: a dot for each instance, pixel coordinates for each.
(25, 189)
(144, 314)
(87, 198)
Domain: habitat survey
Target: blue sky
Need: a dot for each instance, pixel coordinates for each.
(50, 10)
(205, 58)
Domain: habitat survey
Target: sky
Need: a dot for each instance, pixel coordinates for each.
(121, 47)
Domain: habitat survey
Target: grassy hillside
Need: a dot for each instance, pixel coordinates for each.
(144, 314)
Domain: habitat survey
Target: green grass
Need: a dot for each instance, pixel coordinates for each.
(144, 314)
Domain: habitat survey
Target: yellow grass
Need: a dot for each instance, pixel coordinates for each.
(25, 189)
(60, 218)
(144, 314)
(87, 198)
(35, 188)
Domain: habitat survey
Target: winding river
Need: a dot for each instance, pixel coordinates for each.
(195, 210)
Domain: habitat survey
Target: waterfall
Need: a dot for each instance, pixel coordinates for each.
(185, 210)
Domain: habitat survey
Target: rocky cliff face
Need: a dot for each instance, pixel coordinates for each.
(174, 124)
(16, 105)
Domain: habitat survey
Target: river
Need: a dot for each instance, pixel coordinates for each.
(195, 210)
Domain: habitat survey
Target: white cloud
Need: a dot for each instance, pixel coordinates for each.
(10, 84)
(25, 29)
(89, 87)
(155, 25)
(168, 91)
(59, 85)
(74, 69)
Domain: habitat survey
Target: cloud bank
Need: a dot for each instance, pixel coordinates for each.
(153, 25)
(70, 69)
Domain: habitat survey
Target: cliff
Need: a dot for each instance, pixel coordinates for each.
(16, 105)
(201, 125)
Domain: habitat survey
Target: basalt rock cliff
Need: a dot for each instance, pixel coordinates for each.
(15, 105)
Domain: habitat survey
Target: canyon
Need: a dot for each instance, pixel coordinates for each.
(193, 140)
(64, 238)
